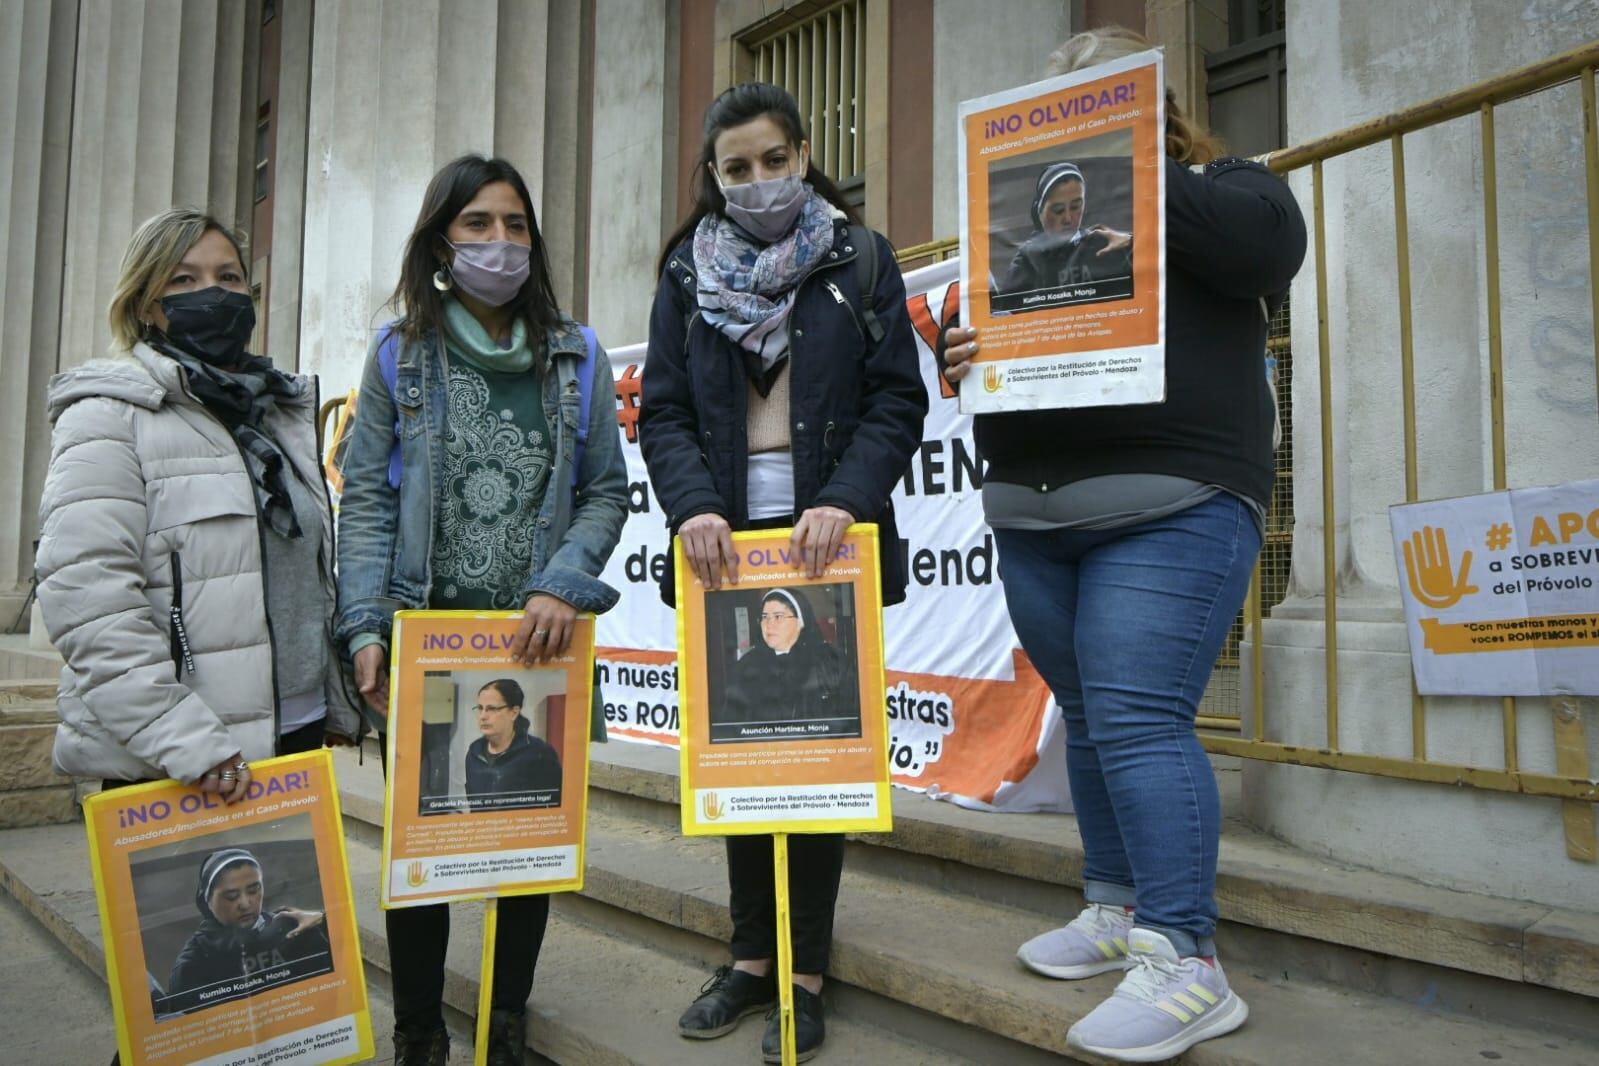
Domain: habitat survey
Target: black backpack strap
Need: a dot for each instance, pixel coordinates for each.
(865, 242)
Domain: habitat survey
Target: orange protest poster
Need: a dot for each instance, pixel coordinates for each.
(1063, 246)
(783, 724)
(487, 784)
(230, 936)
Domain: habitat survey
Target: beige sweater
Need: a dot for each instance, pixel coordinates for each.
(768, 416)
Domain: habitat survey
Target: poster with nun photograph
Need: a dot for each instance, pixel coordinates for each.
(488, 761)
(230, 936)
(1062, 229)
(783, 724)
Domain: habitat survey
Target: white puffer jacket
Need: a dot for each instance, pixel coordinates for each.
(144, 482)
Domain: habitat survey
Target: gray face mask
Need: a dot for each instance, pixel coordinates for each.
(493, 271)
(766, 209)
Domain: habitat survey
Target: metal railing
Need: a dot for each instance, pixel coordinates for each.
(1574, 781)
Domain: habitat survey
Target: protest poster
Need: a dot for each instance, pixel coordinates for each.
(1499, 591)
(970, 720)
(230, 936)
(783, 724)
(487, 784)
(1062, 231)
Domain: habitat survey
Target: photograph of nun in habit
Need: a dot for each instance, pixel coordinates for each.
(783, 664)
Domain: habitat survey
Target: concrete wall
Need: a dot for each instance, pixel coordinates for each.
(1353, 60)
(398, 89)
(974, 54)
(629, 212)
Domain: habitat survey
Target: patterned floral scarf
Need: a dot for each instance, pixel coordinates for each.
(746, 289)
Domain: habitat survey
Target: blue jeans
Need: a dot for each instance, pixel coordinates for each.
(1125, 625)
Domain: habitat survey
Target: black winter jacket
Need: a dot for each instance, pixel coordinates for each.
(1234, 240)
(856, 406)
(528, 765)
(811, 681)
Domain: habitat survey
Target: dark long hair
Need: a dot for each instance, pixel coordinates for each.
(736, 106)
(451, 189)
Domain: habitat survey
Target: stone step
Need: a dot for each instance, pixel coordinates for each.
(947, 955)
(58, 1014)
(1372, 931)
(599, 1000)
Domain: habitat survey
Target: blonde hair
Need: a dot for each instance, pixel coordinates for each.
(1186, 140)
(155, 251)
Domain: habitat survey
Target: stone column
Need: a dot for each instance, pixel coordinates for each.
(627, 218)
(399, 88)
(157, 107)
(37, 42)
(1352, 61)
(974, 56)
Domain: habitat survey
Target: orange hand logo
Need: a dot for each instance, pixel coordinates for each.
(711, 806)
(416, 874)
(992, 379)
(1432, 577)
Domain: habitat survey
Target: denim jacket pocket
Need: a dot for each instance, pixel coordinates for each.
(408, 409)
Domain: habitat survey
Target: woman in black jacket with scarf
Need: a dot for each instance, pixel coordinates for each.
(776, 393)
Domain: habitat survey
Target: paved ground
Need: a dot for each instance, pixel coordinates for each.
(54, 1012)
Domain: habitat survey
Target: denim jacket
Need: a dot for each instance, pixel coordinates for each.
(385, 544)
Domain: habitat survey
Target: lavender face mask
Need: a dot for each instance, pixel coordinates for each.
(492, 271)
(766, 209)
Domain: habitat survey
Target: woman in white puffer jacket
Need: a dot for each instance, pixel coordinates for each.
(186, 551)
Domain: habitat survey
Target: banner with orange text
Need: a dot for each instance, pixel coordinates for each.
(969, 718)
(1501, 591)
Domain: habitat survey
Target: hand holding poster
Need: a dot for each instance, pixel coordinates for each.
(486, 793)
(1062, 194)
(1501, 591)
(783, 727)
(229, 931)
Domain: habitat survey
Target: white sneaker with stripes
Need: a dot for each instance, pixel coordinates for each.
(1095, 942)
(1165, 1005)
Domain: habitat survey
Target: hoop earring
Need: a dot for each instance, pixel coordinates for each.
(442, 279)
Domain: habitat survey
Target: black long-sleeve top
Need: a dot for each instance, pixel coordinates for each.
(1235, 238)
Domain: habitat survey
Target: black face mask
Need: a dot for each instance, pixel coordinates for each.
(212, 324)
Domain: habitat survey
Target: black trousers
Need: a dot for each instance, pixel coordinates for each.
(815, 864)
(419, 938)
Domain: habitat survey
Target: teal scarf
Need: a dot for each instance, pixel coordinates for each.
(467, 338)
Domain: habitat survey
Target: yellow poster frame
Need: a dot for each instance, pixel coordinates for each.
(693, 693)
(580, 664)
(350, 938)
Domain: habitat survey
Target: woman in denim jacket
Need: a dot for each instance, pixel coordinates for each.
(460, 493)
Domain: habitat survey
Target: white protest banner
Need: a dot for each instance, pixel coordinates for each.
(1501, 591)
(969, 718)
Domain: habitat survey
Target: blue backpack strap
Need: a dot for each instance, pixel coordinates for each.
(585, 393)
(389, 367)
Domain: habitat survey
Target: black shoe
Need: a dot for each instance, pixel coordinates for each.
(725, 1000)
(432, 1049)
(809, 1029)
(507, 1037)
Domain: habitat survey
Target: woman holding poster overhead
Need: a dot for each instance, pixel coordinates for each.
(467, 486)
(781, 388)
(1127, 536)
